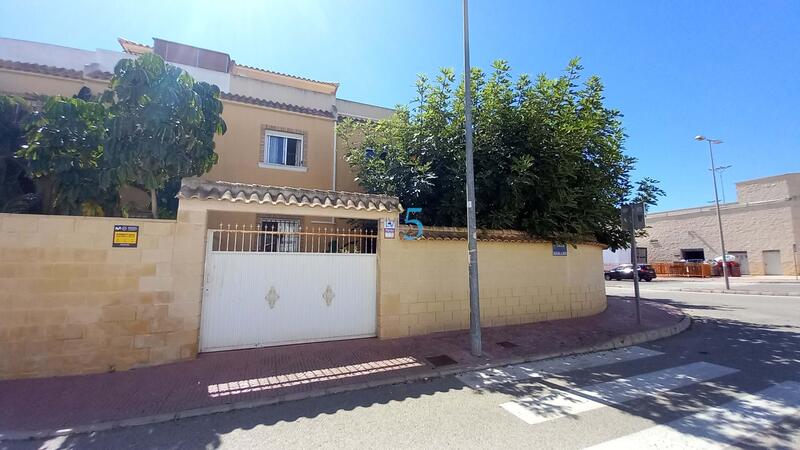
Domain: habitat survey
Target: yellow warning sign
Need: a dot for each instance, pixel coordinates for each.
(125, 236)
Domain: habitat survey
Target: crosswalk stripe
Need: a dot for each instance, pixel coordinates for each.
(718, 427)
(572, 401)
(484, 378)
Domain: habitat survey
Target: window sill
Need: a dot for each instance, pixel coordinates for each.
(283, 167)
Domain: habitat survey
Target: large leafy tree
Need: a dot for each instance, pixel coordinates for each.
(161, 125)
(17, 190)
(549, 155)
(65, 151)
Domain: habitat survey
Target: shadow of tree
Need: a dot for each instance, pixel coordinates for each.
(764, 355)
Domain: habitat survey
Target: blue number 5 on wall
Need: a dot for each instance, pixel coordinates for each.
(415, 222)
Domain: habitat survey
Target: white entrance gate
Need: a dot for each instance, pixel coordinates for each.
(258, 294)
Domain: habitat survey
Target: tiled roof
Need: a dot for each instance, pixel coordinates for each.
(460, 234)
(100, 75)
(276, 105)
(127, 42)
(195, 188)
(285, 74)
(52, 70)
(123, 42)
(40, 68)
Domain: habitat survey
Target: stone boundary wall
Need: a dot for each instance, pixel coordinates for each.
(72, 304)
(422, 285)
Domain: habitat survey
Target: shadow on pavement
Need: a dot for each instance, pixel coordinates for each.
(764, 355)
(208, 431)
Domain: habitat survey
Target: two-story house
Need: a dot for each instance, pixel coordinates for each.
(281, 128)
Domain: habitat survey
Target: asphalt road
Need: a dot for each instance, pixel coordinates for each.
(782, 287)
(729, 379)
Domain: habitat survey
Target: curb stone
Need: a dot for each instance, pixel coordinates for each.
(611, 344)
(741, 292)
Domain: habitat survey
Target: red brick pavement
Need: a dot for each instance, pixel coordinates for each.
(251, 375)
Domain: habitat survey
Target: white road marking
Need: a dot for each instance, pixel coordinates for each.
(573, 401)
(720, 426)
(484, 378)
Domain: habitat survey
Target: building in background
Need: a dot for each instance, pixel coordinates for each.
(762, 228)
(281, 128)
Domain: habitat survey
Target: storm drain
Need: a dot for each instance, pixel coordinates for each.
(440, 360)
(507, 344)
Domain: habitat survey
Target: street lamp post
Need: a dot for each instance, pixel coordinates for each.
(472, 239)
(711, 143)
(720, 170)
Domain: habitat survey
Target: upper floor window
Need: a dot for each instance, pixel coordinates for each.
(284, 149)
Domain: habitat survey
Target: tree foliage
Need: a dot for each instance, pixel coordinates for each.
(17, 190)
(161, 124)
(154, 126)
(65, 150)
(549, 155)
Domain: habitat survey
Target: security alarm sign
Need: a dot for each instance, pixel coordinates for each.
(126, 236)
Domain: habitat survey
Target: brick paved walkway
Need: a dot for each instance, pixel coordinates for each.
(251, 375)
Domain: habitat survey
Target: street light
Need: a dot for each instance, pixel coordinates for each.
(719, 170)
(472, 237)
(711, 143)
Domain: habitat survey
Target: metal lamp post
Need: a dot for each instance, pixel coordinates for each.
(720, 170)
(711, 143)
(472, 244)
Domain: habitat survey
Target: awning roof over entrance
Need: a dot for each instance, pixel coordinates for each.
(195, 188)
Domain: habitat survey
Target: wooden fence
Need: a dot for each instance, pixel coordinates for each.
(681, 269)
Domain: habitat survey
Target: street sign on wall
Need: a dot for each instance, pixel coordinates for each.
(559, 249)
(389, 228)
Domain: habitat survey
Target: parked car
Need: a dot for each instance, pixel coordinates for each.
(625, 272)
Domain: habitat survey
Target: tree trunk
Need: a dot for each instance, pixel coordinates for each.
(154, 203)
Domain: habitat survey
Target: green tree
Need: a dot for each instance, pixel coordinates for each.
(17, 190)
(549, 155)
(161, 125)
(64, 151)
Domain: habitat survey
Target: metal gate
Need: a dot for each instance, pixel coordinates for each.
(271, 286)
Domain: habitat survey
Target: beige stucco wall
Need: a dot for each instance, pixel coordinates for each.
(779, 187)
(29, 83)
(751, 228)
(422, 285)
(72, 304)
(345, 177)
(241, 148)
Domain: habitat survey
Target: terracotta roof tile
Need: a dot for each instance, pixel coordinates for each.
(123, 42)
(276, 105)
(40, 68)
(256, 193)
(460, 234)
(100, 75)
(285, 74)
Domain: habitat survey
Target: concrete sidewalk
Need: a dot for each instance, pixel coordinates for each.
(780, 286)
(223, 381)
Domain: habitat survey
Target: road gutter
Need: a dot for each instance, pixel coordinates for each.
(615, 343)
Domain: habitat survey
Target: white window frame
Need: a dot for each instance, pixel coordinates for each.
(299, 137)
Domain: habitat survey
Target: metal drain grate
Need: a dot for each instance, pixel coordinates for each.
(440, 360)
(507, 344)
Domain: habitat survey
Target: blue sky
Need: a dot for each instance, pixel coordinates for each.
(724, 68)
